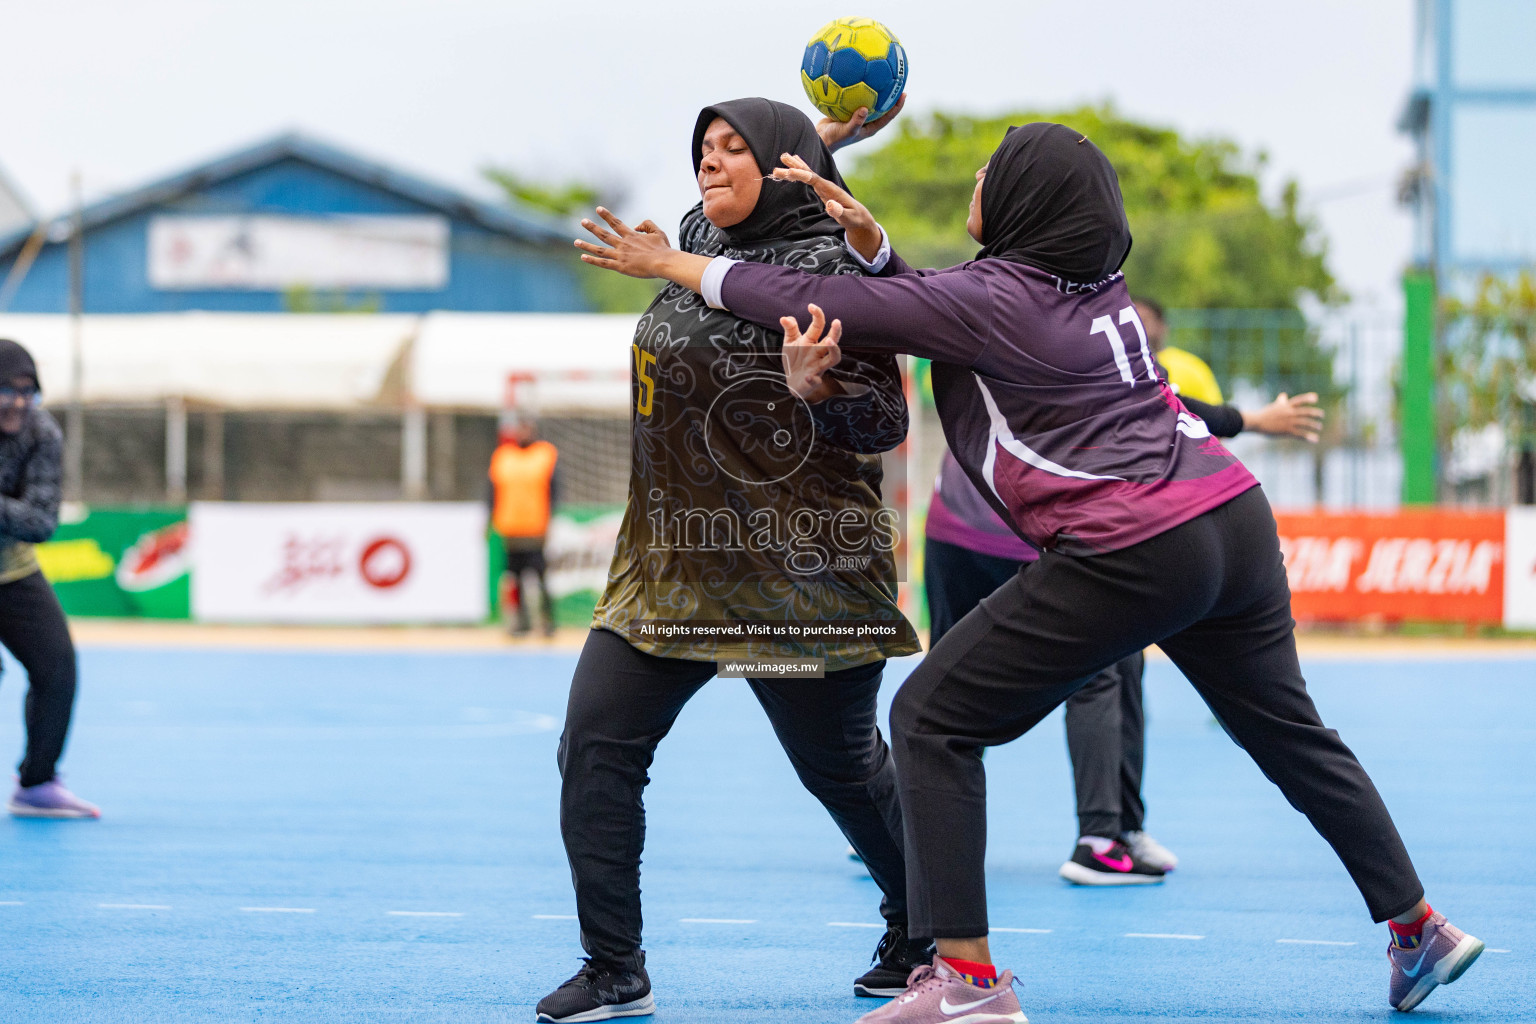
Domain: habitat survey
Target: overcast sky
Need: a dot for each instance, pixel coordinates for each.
(609, 89)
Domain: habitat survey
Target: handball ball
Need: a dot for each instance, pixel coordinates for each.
(853, 63)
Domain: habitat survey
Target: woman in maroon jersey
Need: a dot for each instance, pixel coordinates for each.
(1151, 532)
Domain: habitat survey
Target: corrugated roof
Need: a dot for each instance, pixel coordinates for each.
(525, 224)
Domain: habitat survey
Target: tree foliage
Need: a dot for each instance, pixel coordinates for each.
(1205, 237)
(1487, 361)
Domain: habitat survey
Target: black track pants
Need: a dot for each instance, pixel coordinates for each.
(1105, 726)
(1106, 733)
(623, 701)
(34, 630)
(1212, 593)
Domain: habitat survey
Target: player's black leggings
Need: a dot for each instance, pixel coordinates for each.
(1106, 729)
(1212, 593)
(34, 630)
(623, 701)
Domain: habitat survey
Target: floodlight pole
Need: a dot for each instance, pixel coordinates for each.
(74, 434)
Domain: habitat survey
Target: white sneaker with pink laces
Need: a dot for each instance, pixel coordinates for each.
(939, 995)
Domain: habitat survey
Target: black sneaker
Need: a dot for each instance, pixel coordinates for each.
(895, 958)
(1115, 866)
(601, 991)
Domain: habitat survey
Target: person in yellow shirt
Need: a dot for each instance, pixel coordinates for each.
(523, 492)
(1196, 386)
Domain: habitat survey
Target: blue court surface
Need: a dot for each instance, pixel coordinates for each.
(315, 836)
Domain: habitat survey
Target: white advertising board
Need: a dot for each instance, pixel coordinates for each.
(1520, 568)
(267, 253)
(386, 562)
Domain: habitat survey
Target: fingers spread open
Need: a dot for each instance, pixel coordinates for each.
(617, 225)
(601, 232)
(818, 323)
(791, 329)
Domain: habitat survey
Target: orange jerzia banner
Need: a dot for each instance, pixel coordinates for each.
(1412, 564)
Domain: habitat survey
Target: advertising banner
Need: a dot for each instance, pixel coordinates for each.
(394, 562)
(270, 253)
(1520, 569)
(120, 562)
(577, 553)
(1428, 564)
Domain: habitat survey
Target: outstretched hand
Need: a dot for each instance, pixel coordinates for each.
(1288, 417)
(808, 356)
(837, 134)
(638, 251)
(855, 219)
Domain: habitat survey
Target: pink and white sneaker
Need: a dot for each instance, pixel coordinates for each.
(49, 800)
(938, 995)
(1443, 954)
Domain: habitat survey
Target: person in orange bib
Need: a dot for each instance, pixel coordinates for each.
(523, 489)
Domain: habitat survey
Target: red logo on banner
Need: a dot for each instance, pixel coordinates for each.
(1432, 564)
(384, 563)
(305, 560)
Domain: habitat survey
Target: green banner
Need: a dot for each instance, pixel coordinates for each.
(120, 562)
(578, 551)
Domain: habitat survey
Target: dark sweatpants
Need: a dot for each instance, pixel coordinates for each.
(623, 701)
(1105, 726)
(1212, 593)
(34, 630)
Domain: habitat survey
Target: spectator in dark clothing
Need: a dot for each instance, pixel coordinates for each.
(32, 625)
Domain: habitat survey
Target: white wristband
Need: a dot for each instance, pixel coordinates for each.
(882, 257)
(714, 280)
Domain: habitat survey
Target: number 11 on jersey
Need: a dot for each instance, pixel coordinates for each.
(1105, 325)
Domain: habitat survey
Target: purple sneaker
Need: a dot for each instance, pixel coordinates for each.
(1443, 954)
(50, 800)
(938, 995)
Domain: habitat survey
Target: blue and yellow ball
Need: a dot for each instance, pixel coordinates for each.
(853, 63)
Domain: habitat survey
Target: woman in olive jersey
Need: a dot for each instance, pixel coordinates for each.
(754, 531)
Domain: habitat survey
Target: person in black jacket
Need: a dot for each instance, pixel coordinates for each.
(32, 625)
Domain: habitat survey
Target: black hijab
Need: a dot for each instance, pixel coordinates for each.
(1052, 201)
(786, 210)
(15, 361)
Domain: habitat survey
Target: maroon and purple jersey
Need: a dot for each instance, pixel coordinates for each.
(1047, 391)
(958, 514)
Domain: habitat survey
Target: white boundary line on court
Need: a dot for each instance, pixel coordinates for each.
(717, 920)
(1160, 935)
(1315, 942)
(11, 903)
(1498, 951)
(1023, 931)
(423, 913)
(554, 917)
(853, 924)
(278, 910)
(133, 906)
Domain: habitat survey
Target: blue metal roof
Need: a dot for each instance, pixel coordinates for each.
(521, 223)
